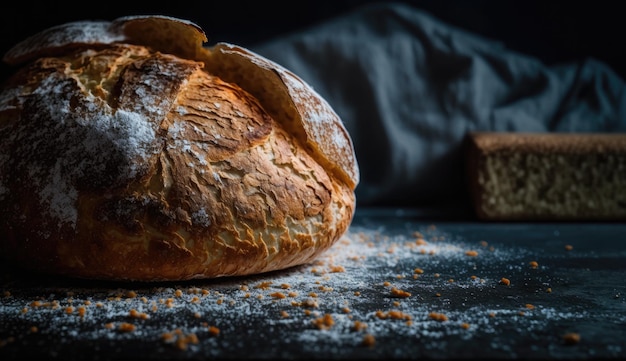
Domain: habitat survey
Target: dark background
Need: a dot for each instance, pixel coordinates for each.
(553, 31)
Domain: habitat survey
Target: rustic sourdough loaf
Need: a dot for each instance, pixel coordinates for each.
(547, 176)
(130, 151)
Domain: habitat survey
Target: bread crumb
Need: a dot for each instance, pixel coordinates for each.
(214, 331)
(393, 314)
(136, 314)
(359, 326)
(337, 269)
(183, 341)
(126, 327)
(505, 281)
(368, 340)
(571, 338)
(310, 303)
(569, 247)
(395, 292)
(264, 285)
(438, 316)
(533, 264)
(471, 253)
(325, 322)
(278, 295)
(167, 336)
(465, 325)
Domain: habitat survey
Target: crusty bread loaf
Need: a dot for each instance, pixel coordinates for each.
(547, 176)
(129, 151)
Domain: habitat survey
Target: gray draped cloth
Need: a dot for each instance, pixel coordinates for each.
(409, 88)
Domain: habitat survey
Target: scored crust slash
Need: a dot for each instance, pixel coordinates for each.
(131, 151)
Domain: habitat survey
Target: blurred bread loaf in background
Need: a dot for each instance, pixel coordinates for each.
(547, 176)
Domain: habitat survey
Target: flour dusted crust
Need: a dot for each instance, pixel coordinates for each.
(129, 151)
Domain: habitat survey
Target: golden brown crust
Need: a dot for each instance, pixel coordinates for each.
(547, 176)
(125, 161)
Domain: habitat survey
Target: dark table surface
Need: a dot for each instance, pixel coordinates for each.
(414, 283)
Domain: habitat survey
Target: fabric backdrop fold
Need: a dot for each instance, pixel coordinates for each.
(409, 88)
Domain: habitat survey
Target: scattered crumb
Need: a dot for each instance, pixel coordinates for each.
(126, 327)
(359, 326)
(571, 338)
(278, 295)
(325, 322)
(214, 331)
(395, 292)
(438, 316)
(368, 340)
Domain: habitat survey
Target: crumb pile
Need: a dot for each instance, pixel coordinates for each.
(375, 293)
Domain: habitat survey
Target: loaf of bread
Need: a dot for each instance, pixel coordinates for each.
(130, 150)
(547, 176)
